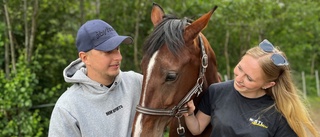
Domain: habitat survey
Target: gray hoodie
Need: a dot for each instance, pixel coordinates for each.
(90, 109)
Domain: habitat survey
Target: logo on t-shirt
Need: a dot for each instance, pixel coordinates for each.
(257, 122)
(114, 110)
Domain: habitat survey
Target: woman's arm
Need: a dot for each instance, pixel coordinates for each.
(196, 123)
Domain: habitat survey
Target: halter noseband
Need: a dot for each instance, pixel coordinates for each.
(178, 110)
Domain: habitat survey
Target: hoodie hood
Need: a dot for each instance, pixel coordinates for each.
(76, 72)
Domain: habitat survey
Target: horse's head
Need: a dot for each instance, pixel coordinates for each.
(178, 63)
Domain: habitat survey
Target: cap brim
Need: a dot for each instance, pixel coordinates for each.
(114, 42)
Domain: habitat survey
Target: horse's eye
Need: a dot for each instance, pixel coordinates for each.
(171, 76)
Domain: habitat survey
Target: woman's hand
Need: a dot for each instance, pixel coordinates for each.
(196, 123)
(191, 109)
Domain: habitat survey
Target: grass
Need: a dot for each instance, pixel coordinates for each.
(314, 108)
(166, 134)
(314, 101)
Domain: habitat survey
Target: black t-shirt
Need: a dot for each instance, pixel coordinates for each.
(233, 115)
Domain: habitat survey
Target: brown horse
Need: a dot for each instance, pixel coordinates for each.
(177, 65)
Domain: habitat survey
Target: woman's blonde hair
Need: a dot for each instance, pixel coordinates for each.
(288, 99)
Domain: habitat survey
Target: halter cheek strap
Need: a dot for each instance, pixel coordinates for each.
(178, 110)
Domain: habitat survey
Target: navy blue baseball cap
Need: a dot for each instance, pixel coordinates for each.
(99, 35)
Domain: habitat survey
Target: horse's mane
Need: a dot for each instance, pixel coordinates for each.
(170, 32)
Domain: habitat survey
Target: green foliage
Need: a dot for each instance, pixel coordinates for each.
(27, 96)
(2, 40)
(16, 118)
(311, 90)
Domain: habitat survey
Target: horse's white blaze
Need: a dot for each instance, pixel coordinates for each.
(138, 129)
(148, 75)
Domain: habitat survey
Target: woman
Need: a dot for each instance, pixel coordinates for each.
(261, 101)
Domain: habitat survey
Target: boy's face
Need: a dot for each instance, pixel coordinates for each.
(103, 64)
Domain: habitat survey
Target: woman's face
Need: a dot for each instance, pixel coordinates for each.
(249, 78)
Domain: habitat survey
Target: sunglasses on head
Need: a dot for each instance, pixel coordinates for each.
(276, 58)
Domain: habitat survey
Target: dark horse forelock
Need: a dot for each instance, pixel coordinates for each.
(170, 32)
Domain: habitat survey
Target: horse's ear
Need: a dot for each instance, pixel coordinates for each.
(197, 26)
(157, 14)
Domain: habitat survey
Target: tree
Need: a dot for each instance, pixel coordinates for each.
(38, 42)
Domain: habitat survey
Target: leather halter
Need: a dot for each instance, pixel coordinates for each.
(179, 109)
